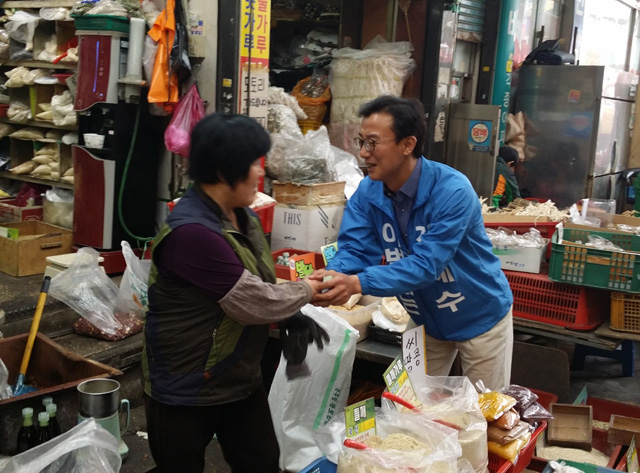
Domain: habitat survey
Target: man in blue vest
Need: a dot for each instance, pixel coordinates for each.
(423, 220)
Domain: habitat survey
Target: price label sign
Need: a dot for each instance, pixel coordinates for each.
(360, 420)
(398, 382)
(414, 357)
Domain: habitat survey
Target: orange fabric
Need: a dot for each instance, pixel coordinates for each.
(501, 186)
(164, 88)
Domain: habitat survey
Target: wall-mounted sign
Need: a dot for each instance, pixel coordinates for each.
(479, 135)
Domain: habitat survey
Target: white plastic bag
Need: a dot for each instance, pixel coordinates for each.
(302, 405)
(133, 285)
(86, 448)
(22, 26)
(5, 390)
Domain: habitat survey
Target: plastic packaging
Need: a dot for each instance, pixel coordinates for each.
(494, 404)
(454, 400)
(133, 285)
(535, 412)
(303, 161)
(5, 389)
(359, 76)
(57, 208)
(312, 94)
(524, 396)
(21, 27)
(188, 112)
(86, 288)
(434, 447)
(511, 450)
(86, 448)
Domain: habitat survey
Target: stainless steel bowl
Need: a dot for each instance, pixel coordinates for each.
(98, 398)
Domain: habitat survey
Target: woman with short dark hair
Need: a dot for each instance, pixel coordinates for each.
(212, 297)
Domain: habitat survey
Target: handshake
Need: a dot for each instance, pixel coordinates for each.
(298, 331)
(331, 287)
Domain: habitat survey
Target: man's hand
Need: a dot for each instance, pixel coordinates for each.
(337, 287)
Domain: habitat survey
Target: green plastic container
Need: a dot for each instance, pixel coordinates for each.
(575, 263)
(101, 23)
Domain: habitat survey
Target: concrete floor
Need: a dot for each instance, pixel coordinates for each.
(18, 296)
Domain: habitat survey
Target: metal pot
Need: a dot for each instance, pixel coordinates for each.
(98, 398)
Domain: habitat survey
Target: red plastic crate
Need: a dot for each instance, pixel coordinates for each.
(283, 272)
(546, 229)
(265, 213)
(500, 465)
(536, 297)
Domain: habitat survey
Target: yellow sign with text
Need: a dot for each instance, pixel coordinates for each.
(255, 30)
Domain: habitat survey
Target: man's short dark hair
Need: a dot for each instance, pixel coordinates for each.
(408, 118)
(224, 146)
(509, 154)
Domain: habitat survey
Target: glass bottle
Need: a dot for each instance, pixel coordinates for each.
(44, 434)
(46, 401)
(54, 425)
(27, 435)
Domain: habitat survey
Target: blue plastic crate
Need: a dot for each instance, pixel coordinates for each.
(321, 465)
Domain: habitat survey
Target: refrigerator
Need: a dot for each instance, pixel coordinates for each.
(577, 131)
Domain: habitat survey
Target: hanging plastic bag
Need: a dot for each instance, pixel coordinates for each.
(86, 448)
(302, 405)
(133, 285)
(86, 288)
(188, 112)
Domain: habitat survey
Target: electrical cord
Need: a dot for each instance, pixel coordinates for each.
(123, 182)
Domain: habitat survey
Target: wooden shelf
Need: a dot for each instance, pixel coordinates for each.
(41, 124)
(38, 4)
(35, 180)
(40, 64)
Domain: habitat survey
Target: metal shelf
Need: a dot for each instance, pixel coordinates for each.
(35, 180)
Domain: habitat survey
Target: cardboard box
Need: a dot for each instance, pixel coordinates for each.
(323, 193)
(9, 212)
(27, 254)
(305, 227)
(527, 260)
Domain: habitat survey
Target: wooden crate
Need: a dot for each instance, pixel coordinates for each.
(37, 240)
(308, 194)
(571, 426)
(622, 429)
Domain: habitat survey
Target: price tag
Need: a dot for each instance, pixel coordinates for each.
(414, 357)
(329, 251)
(301, 266)
(398, 382)
(360, 420)
(581, 400)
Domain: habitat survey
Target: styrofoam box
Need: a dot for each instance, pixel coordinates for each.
(305, 227)
(360, 318)
(527, 260)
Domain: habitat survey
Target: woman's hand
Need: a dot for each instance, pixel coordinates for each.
(335, 288)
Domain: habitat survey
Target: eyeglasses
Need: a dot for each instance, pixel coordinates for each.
(368, 143)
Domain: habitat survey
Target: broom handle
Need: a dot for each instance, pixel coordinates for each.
(35, 324)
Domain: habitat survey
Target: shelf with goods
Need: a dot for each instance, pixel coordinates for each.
(53, 37)
(337, 24)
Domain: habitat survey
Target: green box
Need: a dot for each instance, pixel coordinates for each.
(575, 263)
(102, 23)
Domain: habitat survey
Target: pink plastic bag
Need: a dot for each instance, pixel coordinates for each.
(188, 112)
